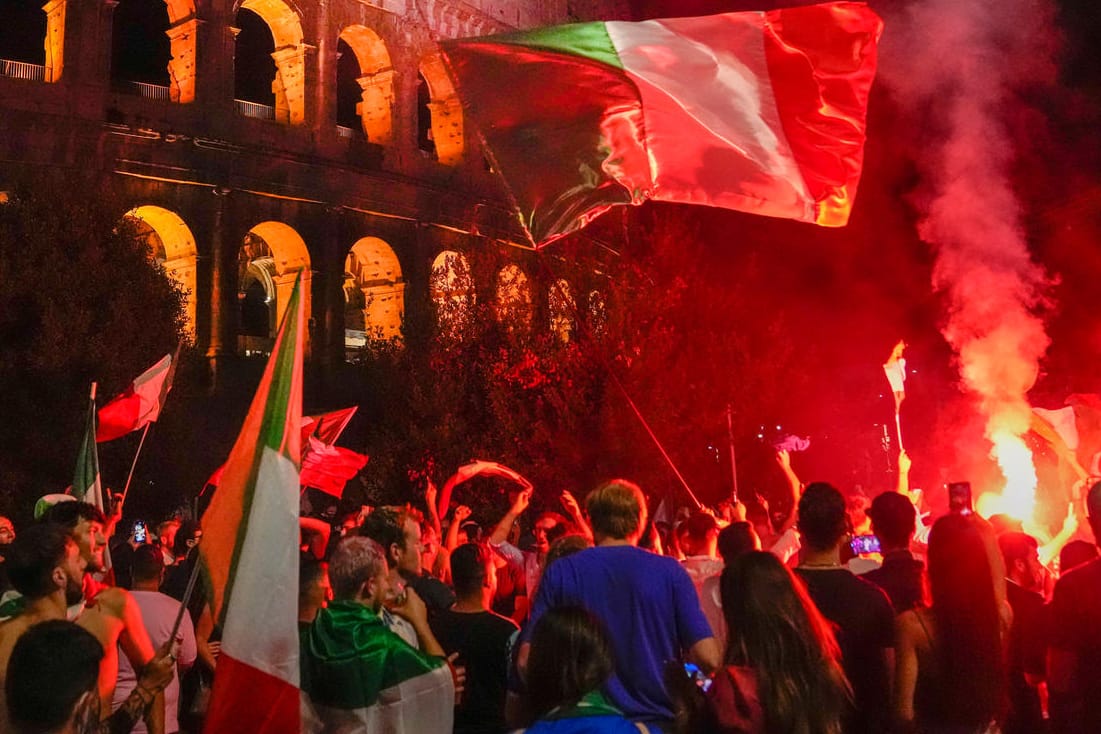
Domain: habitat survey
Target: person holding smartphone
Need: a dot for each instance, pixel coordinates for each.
(902, 576)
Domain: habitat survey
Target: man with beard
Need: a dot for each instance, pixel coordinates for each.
(45, 566)
(110, 613)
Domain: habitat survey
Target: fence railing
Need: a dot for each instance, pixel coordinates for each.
(254, 109)
(22, 70)
(149, 91)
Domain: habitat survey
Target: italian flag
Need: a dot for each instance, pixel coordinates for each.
(762, 112)
(358, 676)
(249, 552)
(139, 404)
(86, 480)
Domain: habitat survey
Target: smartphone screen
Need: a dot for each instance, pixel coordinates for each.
(959, 498)
(697, 676)
(865, 544)
(140, 533)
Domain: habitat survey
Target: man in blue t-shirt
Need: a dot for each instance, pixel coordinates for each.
(646, 601)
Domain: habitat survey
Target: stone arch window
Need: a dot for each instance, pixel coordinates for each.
(365, 84)
(271, 256)
(172, 246)
(270, 28)
(374, 294)
(445, 114)
(25, 40)
(560, 304)
(140, 49)
(513, 299)
(452, 291)
(598, 312)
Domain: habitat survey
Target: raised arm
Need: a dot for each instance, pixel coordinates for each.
(462, 512)
(578, 517)
(432, 515)
(904, 465)
(500, 532)
(783, 459)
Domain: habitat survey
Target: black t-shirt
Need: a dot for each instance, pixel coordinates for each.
(437, 595)
(1074, 627)
(483, 641)
(864, 623)
(903, 578)
(1026, 655)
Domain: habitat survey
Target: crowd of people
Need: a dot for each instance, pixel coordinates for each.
(594, 619)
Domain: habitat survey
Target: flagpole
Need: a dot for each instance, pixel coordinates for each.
(733, 463)
(898, 428)
(186, 598)
(134, 463)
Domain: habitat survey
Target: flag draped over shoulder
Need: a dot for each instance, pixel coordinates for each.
(86, 481)
(138, 405)
(763, 112)
(359, 676)
(249, 552)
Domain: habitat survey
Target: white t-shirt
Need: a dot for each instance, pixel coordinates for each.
(158, 612)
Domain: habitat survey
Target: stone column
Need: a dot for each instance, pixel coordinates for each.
(221, 321)
(183, 37)
(289, 85)
(55, 39)
(376, 106)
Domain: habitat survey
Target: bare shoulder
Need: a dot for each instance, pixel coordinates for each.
(113, 601)
(909, 623)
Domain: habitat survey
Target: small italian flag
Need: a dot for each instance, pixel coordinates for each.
(249, 552)
(762, 112)
(141, 402)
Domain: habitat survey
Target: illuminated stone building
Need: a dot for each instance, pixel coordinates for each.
(261, 139)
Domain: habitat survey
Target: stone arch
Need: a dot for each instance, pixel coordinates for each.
(271, 257)
(374, 82)
(560, 304)
(289, 55)
(514, 298)
(374, 293)
(172, 246)
(598, 312)
(445, 112)
(451, 287)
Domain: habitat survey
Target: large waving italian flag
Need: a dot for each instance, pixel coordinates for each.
(249, 552)
(762, 112)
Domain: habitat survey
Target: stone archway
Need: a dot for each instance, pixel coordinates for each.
(271, 257)
(289, 85)
(374, 294)
(560, 304)
(445, 112)
(375, 83)
(451, 287)
(172, 246)
(514, 302)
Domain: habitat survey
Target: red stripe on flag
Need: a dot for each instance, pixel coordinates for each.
(119, 417)
(821, 60)
(246, 699)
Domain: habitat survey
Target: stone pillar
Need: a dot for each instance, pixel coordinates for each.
(55, 39)
(330, 290)
(447, 129)
(375, 109)
(183, 37)
(289, 85)
(221, 321)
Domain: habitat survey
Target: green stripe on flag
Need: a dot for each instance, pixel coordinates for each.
(588, 40)
(86, 483)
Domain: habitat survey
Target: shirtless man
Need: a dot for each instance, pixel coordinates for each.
(46, 566)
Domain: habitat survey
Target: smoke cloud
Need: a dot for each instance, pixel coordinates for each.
(956, 69)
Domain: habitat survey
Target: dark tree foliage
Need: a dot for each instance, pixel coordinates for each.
(80, 301)
(683, 343)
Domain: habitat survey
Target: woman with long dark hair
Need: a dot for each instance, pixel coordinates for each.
(950, 666)
(783, 670)
(571, 659)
